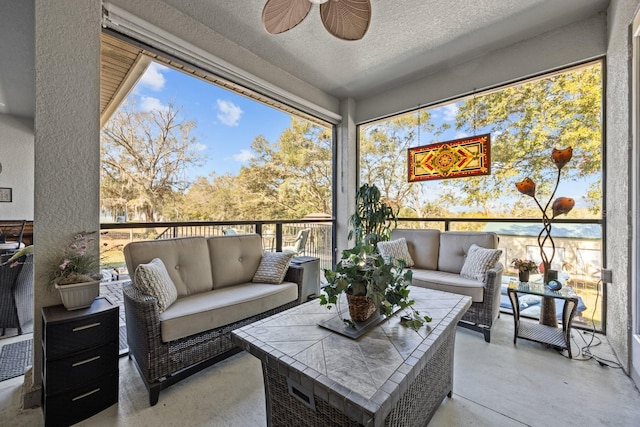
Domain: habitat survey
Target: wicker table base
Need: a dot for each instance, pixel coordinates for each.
(391, 376)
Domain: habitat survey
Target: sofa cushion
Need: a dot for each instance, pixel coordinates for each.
(448, 282)
(454, 246)
(234, 259)
(153, 279)
(208, 310)
(478, 261)
(186, 260)
(422, 245)
(396, 249)
(273, 267)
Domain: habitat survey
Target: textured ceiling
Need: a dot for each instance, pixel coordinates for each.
(406, 39)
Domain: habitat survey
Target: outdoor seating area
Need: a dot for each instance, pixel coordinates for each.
(550, 379)
(320, 213)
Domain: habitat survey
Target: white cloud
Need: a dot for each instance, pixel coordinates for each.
(460, 135)
(228, 113)
(149, 104)
(242, 156)
(450, 112)
(153, 78)
(201, 147)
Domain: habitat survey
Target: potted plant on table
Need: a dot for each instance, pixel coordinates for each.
(371, 285)
(524, 267)
(76, 273)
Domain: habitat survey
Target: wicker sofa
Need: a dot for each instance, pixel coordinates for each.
(215, 295)
(439, 258)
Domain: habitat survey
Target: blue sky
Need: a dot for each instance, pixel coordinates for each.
(224, 120)
(227, 123)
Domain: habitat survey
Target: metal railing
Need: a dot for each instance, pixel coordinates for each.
(280, 234)
(276, 236)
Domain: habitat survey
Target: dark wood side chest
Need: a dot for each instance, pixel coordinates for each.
(80, 361)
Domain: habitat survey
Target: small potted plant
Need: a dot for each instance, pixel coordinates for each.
(524, 267)
(371, 285)
(76, 273)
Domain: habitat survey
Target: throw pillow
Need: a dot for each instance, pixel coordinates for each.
(273, 267)
(396, 249)
(478, 261)
(153, 279)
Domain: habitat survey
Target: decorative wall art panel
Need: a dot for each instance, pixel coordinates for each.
(451, 159)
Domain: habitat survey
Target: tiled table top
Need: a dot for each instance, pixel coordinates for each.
(390, 355)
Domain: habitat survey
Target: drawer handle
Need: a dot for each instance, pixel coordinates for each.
(86, 361)
(81, 328)
(82, 396)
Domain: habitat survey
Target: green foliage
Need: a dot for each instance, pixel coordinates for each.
(525, 121)
(362, 271)
(144, 157)
(373, 219)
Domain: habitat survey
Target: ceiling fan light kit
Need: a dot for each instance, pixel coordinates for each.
(345, 19)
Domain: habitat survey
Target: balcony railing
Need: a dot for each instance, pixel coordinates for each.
(276, 235)
(580, 251)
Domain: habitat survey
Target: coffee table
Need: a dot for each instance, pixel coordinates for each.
(392, 375)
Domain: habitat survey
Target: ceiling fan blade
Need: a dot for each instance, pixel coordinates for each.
(279, 16)
(346, 19)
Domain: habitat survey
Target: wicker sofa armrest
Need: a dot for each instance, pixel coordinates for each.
(294, 274)
(143, 331)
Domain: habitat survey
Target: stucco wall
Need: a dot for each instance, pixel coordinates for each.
(67, 142)
(16, 157)
(570, 44)
(618, 151)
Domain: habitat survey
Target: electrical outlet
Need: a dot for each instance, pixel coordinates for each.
(607, 275)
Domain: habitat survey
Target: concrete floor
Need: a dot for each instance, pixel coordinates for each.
(496, 384)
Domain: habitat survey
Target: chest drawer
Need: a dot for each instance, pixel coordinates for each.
(75, 405)
(80, 333)
(80, 368)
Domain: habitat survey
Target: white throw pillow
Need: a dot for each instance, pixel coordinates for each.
(153, 279)
(396, 249)
(478, 261)
(273, 267)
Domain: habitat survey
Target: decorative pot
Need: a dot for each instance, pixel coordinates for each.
(523, 276)
(79, 295)
(360, 307)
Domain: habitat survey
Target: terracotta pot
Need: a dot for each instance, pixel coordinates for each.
(523, 276)
(360, 307)
(79, 295)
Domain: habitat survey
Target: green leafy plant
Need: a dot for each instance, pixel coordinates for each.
(373, 219)
(362, 271)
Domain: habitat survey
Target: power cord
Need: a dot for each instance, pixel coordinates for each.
(585, 351)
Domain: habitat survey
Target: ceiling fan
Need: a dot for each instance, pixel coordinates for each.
(345, 19)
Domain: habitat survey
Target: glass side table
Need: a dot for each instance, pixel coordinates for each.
(546, 331)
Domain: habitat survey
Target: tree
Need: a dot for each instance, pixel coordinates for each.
(525, 121)
(528, 120)
(144, 158)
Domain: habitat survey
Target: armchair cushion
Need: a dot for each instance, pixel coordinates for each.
(396, 249)
(153, 279)
(273, 267)
(478, 261)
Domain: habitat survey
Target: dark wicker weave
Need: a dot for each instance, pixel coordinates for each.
(415, 408)
(162, 364)
(16, 293)
(481, 315)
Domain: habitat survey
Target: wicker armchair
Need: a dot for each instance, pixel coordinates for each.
(162, 364)
(16, 292)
